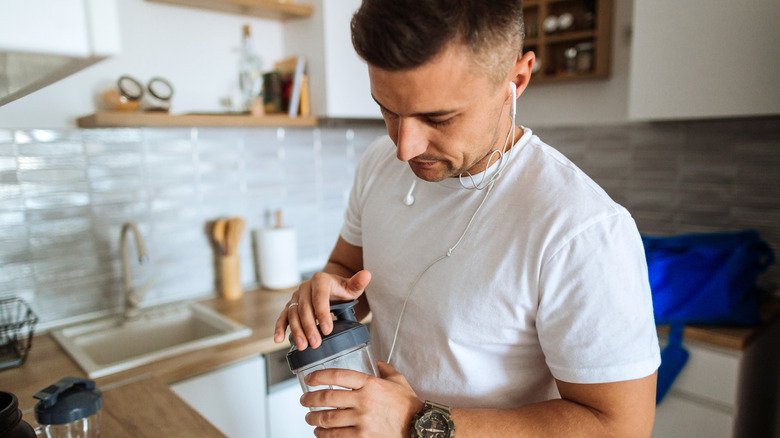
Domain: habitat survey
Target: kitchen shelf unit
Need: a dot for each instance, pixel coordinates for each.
(113, 119)
(273, 9)
(550, 47)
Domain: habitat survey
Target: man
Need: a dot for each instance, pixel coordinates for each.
(506, 288)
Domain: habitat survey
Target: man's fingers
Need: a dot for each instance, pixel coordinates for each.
(281, 324)
(329, 398)
(336, 432)
(308, 324)
(296, 331)
(282, 321)
(358, 282)
(338, 377)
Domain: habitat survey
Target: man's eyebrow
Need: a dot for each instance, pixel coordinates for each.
(439, 113)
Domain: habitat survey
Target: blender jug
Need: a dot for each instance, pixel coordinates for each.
(345, 347)
(69, 408)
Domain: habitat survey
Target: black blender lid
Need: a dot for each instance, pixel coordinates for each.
(347, 334)
(68, 400)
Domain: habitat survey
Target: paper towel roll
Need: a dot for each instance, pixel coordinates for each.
(277, 258)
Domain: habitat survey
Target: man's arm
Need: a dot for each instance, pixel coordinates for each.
(619, 409)
(385, 407)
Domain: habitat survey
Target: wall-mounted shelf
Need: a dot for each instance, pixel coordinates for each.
(580, 51)
(111, 119)
(273, 9)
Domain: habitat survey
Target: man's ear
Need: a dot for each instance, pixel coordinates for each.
(521, 71)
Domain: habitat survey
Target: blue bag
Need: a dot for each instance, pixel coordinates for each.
(702, 278)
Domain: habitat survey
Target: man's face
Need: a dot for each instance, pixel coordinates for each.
(445, 117)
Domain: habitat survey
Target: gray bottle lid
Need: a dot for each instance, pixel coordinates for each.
(347, 334)
(68, 400)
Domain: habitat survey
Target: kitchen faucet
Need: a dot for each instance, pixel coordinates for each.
(133, 296)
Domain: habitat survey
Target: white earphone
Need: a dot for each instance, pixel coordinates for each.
(513, 90)
(409, 198)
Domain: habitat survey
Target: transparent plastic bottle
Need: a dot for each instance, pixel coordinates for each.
(250, 72)
(346, 347)
(69, 408)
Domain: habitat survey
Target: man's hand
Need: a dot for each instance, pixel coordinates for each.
(376, 407)
(313, 299)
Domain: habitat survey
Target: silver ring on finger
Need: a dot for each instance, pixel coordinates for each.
(291, 305)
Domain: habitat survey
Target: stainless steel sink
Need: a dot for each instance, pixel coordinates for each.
(114, 344)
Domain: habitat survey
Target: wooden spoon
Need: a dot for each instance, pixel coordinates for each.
(218, 235)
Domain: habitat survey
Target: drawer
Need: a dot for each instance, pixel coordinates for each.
(678, 417)
(711, 374)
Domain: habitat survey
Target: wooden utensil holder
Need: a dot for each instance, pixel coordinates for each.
(228, 276)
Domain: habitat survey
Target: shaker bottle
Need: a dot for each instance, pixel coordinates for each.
(347, 347)
(69, 408)
(11, 423)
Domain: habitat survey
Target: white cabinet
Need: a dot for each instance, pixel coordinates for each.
(42, 41)
(232, 398)
(723, 392)
(703, 399)
(338, 77)
(704, 58)
(286, 416)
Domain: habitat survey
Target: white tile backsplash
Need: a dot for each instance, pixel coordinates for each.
(65, 193)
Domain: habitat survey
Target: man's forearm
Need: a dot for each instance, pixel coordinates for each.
(545, 419)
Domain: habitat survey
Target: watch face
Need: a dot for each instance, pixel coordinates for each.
(433, 424)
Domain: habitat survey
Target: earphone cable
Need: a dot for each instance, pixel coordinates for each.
(448, 254)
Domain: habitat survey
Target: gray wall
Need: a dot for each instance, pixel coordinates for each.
(65, 193)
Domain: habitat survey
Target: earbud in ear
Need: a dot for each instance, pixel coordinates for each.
(513, 91)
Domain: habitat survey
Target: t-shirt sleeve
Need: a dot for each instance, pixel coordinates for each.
(595, 317)
(351, 231)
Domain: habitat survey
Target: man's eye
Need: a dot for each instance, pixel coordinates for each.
(439, 123)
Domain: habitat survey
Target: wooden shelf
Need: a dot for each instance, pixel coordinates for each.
(273, 9)
(110, 119)
(537, 78)
(565, 37)
(592, 24)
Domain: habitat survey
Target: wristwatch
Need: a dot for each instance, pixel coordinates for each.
(433, 421)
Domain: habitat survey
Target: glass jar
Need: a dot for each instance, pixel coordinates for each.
(584, 57)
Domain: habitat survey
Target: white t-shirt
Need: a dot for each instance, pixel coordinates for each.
(550, 281)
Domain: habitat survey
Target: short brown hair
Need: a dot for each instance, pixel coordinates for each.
(404, 34)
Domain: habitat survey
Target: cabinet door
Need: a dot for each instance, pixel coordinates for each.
(285, 413)
(704, 58)
(678, 417)
(231, 398)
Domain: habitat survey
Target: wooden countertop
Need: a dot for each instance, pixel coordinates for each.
(733, 338)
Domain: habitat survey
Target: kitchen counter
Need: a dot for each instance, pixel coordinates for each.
(144, 391)
(47, 363)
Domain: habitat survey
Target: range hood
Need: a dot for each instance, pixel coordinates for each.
(43, 41)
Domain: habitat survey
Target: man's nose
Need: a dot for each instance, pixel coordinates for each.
(411, 139)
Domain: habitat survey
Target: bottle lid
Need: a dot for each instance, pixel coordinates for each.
(347, 334)
(68, 400)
